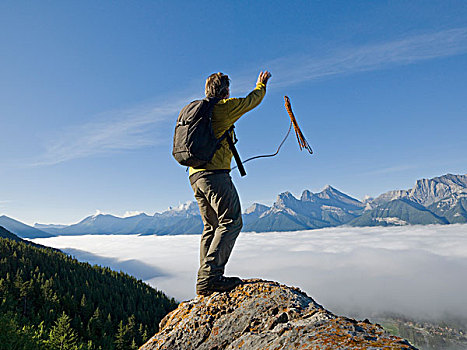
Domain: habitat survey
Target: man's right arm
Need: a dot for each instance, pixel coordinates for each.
(239, 106)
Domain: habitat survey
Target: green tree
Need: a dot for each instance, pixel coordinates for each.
(95, 327)
(131, 328)
(62, 336)
(14, 338)
(121, 338)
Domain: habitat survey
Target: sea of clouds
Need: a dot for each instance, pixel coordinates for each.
(416, 271)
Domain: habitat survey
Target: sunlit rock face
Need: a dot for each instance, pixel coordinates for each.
(265, 315)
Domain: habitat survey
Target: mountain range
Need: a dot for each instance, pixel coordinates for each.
(440, 200)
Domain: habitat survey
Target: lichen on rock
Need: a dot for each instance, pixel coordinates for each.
(265, 315)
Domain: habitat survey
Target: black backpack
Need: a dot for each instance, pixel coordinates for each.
(194, 143)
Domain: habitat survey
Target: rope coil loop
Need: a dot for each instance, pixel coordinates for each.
(302, 142)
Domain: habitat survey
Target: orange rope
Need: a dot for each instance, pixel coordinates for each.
(302, 142)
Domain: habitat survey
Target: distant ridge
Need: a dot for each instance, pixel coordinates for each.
(329, 207)
(4, 233)
(440, 200)
(182, 219)
(22, 230)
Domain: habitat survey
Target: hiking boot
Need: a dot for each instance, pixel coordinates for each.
(224, 284)
(220, 284)
(204, 292)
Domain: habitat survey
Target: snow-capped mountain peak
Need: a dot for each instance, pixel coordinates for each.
(427, 191)
(257, 208)
(188, 208)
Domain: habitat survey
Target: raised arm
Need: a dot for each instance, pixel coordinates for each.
(239, 106)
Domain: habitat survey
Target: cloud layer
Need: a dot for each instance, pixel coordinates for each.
(418, 271)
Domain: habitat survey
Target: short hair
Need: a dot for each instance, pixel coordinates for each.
(217, 85)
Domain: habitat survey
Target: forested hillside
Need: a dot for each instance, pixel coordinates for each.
(4, 233)
(49, 300)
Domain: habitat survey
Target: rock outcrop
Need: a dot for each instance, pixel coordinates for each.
(265, 315)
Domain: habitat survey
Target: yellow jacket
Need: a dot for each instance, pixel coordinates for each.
(225, 113)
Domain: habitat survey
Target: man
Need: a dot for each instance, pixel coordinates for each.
(213, 188)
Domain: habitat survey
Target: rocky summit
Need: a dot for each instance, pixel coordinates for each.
(265, 315)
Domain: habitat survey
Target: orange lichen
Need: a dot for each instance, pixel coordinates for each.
(306, 325)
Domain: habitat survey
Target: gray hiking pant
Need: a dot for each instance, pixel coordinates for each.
(220, 209)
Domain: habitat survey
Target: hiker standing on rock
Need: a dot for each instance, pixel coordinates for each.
(214, 190)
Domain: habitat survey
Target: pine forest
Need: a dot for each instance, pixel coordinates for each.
(49, 300)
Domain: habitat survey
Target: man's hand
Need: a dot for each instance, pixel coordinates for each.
(263, 77)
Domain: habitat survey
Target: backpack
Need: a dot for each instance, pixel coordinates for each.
(194, 143)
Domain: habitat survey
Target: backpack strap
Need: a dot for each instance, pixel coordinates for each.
(231, 143)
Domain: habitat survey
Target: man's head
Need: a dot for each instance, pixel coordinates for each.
(217, 85)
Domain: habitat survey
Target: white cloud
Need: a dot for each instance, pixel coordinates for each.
(112, 132)
(293, 70)
(130, 213)
(418, 271)
(100, 212)
(134, 128)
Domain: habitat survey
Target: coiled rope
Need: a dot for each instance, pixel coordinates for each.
(302, 142)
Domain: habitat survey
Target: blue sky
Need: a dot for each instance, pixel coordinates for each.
(89, 92)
